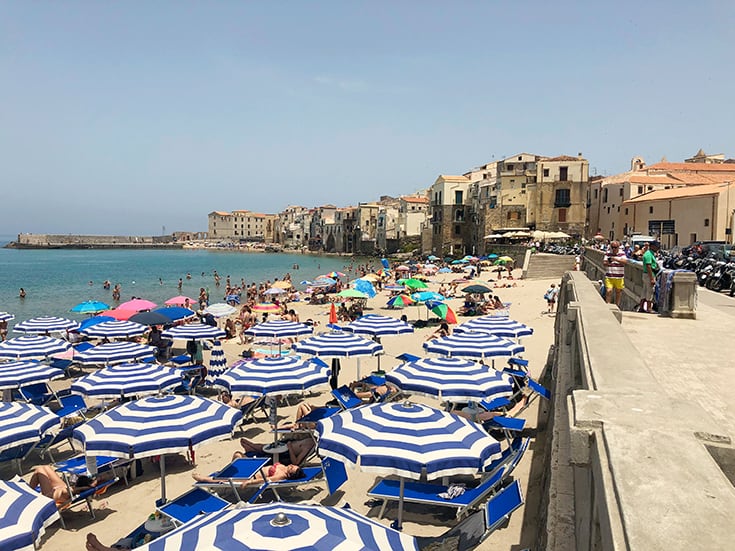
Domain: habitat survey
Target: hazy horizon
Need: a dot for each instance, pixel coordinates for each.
(128, 117)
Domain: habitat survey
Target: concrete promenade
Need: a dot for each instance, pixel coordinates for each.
(644, 404)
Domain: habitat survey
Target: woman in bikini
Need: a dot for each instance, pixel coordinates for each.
(273, 473)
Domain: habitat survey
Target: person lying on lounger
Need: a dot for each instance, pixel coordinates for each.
(298, 450)
(53, 486)
(273, 473)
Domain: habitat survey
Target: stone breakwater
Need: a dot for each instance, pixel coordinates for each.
(70, 241)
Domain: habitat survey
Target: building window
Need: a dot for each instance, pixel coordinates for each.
(562, 215)
(626, 211)
(706, 222)
(650, 210)
(457, 229)
(520, 158)
(595, 194)
(563, 173)
(508, 167)
(546, 173)
(604, 195)
(458, 198)
(621, 192)
(562, 198)
(640, 190)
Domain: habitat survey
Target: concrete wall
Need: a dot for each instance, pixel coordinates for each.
(625, 468)
(42, 240)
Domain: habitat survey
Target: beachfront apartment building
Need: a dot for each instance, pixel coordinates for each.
(294, 224)
(607, 195)
(450, 210)
(556, 197)
(684, 214)
(241, 226)
(523, 191)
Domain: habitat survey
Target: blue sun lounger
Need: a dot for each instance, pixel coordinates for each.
(333, 472)
(193, 503)
(428, 494)
(238, 471)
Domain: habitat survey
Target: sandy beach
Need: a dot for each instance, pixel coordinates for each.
(122, 509)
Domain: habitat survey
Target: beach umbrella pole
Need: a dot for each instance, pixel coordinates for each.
(398, 525)
(162, 463)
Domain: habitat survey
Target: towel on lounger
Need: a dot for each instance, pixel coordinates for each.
(454, 490)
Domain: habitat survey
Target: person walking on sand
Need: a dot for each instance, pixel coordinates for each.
(550, 297)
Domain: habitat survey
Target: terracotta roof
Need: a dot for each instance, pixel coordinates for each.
(662, 179)
(699, 178)
(221, 213)
(414, 199)
(678, 193)
(691, 167)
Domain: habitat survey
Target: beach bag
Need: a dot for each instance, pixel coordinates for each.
(547, 295)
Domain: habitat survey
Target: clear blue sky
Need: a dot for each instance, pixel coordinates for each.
(124, 117)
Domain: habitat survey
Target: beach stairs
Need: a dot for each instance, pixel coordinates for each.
(548, 266)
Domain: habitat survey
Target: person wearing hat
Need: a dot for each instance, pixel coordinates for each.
(650, 269)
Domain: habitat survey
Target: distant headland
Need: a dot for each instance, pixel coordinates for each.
(71, 241)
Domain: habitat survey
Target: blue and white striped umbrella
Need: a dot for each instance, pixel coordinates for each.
(408, 440)
(274, 375)
(116, 328)
(194, 331)
(280, 329)
(4, 316)
(111, 353)
(33, 347)
(337, 344)
(378, 326)
(451, 379)
(157, 425)
(22, 423)
(17, 374)
(45, 324)
(284, 526)
(217, 362)
(24, 516)
(125, 380)
(494, 325)
(473, 345)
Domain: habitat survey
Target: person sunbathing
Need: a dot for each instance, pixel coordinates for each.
(482, 415)
(53, 486)
(277, 472)
(226, 398)
(298, 450)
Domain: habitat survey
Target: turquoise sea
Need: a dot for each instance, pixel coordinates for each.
(56, 280)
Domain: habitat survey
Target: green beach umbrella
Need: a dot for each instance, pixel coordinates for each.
(351, 293)
(413, 283)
